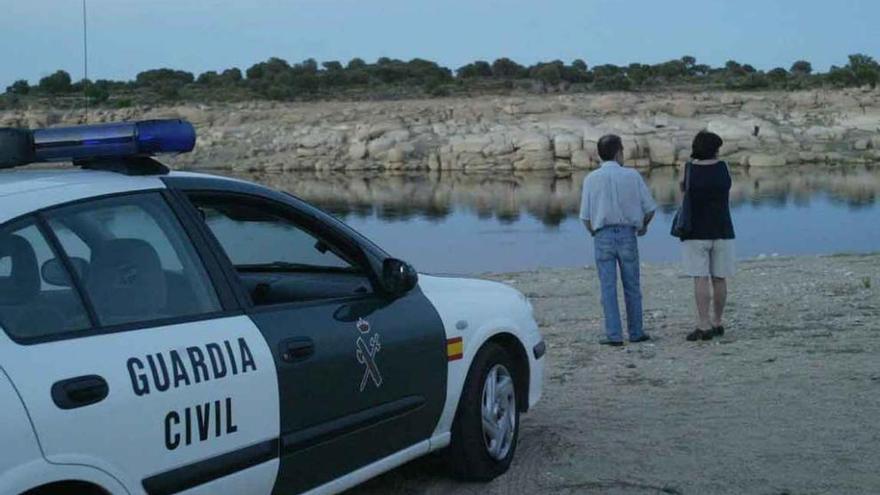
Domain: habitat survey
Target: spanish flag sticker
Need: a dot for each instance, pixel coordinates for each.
(454, 348)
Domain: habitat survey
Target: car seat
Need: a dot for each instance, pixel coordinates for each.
(126, 282)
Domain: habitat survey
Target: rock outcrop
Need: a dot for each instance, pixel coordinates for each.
(515, 133)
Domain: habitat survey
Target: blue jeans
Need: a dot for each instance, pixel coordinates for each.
(617, 246)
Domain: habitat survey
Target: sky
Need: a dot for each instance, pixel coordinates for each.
(125, 37)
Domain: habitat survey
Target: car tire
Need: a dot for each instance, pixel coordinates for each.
(480, 452)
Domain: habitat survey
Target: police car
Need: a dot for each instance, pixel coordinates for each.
(169, 332)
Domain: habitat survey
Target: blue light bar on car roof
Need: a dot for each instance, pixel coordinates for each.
(88, 142)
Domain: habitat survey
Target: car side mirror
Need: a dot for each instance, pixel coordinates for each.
(398, 277)
(54, 272)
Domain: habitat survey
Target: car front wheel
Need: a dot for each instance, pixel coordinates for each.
(486, 426)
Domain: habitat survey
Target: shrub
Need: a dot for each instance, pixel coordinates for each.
(507, 69)
(801, 67)
(20, 87)
(479, 68)
(57, 83)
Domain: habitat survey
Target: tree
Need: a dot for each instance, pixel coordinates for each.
(20, 87)
(671, 70)
(548, 73)
(479, 68)
(580, 65)
(57, 83)
(231, 76)
(164, 77)
(801, 68)
(865, 69)
(508, 69)
(734, 68)
(606, 71)
(208, 78)
(778, 75)
(356, 63)
(689, 61)
(841, 76)
(332, 65)
(267, 69)
(97, 93)
(308, 65)
(638, 73)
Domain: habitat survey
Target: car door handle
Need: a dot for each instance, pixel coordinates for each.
(296, 349)
(80, 391)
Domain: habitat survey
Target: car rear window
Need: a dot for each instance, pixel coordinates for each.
(37, 299)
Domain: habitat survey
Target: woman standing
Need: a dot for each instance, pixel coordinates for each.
(707, 248)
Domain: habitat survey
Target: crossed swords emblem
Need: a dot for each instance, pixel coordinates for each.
(366, 354)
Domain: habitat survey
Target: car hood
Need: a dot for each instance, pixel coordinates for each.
(473, 300)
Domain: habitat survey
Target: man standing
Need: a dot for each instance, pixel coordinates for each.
(616, 205)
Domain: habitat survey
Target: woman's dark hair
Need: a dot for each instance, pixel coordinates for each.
(706, 145)
(609, 145)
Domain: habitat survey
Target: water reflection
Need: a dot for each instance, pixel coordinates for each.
(551, 198)
(466, 223)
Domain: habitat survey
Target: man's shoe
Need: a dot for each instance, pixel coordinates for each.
(612, 343)
(717, 331)
(641, 338)
(699, 335)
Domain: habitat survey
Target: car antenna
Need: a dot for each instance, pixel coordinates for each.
(85, 63)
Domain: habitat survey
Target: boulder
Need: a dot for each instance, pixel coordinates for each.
(534, 160)
(500, 144)
(357, 150)
(684, 109)
(661, 151)
(580, 159)
(731, 129)
(470, 144)
(531, 141)
(313, 140)
(566, 144)
(395, 155)
(380, 145)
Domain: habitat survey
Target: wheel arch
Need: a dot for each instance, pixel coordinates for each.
(62, 487)
(517, 351)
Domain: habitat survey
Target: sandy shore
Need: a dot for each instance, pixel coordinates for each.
(786, 403)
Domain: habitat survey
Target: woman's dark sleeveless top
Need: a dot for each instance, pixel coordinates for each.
(710, 201)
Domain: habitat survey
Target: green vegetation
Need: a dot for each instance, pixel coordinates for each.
(276, 79)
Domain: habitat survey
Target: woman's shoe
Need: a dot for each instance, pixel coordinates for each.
(699, 335)
(718, 331)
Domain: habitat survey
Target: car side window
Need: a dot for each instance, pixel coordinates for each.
(134, 259)
(277, 258)
(37, 299)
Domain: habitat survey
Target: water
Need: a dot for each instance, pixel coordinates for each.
(459, 222)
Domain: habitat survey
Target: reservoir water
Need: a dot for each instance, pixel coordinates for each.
(456, 222)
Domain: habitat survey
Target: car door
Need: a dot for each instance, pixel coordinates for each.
(362, 374)
(127, 355)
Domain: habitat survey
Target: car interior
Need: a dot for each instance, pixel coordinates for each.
(29, 306)
(277, 260)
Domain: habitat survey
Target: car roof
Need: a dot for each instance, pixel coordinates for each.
(25, 191)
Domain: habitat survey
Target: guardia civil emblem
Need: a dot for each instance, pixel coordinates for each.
(367, 347)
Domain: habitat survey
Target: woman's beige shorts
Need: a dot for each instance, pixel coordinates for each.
(709, 258)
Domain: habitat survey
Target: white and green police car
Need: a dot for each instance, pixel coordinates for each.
(167, 332)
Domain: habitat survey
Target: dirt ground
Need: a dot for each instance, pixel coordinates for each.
(788, 402)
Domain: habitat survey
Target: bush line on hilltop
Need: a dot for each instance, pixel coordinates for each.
(276, 79)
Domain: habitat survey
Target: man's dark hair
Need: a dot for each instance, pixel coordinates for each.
(609, 145)
(706, 145)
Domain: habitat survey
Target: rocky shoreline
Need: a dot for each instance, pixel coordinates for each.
(785, 402)
(490, 133)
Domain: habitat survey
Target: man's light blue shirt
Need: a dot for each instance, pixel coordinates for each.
(615, 195)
